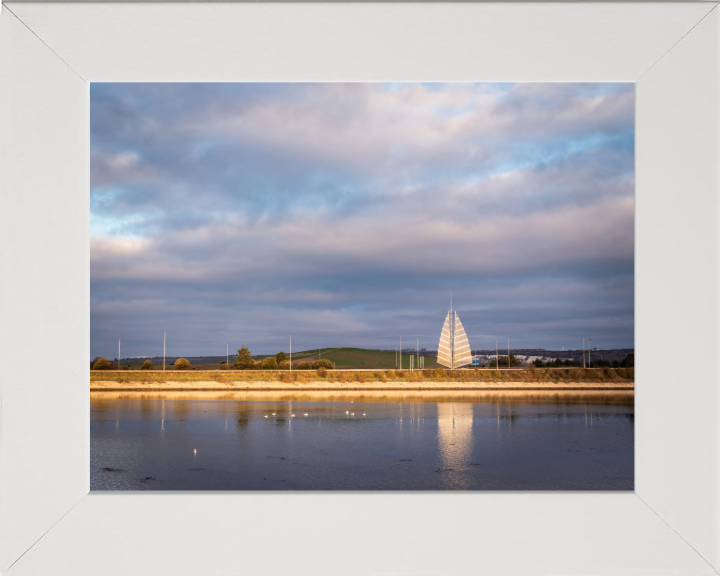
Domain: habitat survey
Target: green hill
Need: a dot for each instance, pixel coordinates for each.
(359, 358)
(341, 357)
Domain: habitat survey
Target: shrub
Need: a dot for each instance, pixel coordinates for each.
(102, 364)
(147, 365)
(360, 378)
(182, 364)
(244, 360)
(257, 365)
(390, 374)
(302, 365)
(281, 357)
(322, 372)
(322, 363)
(284, 365)
(503, 360)
(269, 363)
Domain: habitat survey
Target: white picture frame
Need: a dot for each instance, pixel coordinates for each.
(50, 523)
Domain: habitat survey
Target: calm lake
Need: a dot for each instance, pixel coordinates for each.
(560, 440)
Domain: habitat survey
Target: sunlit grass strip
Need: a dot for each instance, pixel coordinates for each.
(615, 375)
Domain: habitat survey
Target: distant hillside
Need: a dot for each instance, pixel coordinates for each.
(341, 357)
(358, 358)
(385, 359)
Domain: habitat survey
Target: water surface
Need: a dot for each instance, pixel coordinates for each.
(320, 440)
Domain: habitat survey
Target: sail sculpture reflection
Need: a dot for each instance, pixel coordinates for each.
(455, 439)
(454, 348)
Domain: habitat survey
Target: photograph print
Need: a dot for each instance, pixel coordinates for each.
(362, 286)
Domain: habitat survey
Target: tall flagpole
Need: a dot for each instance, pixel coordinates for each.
(118, 354)
(290, 352)
(164, 335)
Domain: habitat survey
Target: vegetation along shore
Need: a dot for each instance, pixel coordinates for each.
(531, 378)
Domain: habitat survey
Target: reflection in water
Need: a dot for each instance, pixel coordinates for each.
(455, 434)
(379, 440)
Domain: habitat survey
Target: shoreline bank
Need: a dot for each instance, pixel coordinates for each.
(243, 385)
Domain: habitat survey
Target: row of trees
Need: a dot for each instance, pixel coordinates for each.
(627, 362)
(105, 364)
(280, 361)
(557, 363)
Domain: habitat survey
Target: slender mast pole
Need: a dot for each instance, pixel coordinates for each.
(227, 355)
(164, 335)
(118, 354)
(508, 352)
(452, 335)
(497, 355)
(400, 353)
(290, 352)
(583, 352)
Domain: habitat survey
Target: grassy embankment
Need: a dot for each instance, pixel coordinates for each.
(570, 377)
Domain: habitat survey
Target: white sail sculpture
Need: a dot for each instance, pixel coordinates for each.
(454, 348)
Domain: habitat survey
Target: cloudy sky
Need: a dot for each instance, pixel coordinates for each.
(346, 214)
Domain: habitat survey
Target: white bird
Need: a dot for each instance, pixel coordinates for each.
(363, 413)
(305, 414)
(273, 413)
(265, 416)
(292, 415)
(347, 411)
(195, 451)
(353, 414)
